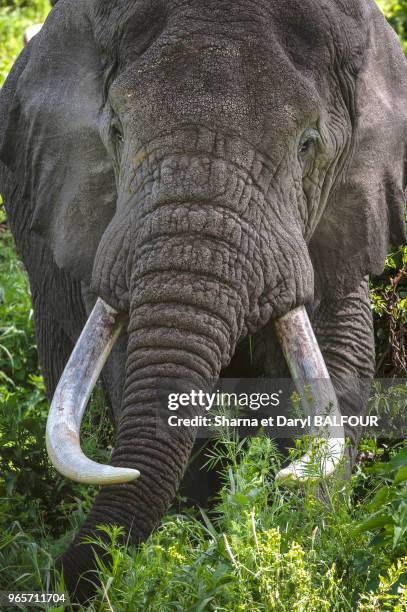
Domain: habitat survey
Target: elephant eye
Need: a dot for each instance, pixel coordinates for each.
(117, 131)
(308, 139)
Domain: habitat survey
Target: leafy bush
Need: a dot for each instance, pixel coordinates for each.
(396, 14)
(264, 547)
(389, 303)
(15, 17)
(23, 409)
(389, 292)
(25, 470)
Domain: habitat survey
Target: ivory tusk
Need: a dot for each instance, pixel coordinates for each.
(307, 367)
(72, 395)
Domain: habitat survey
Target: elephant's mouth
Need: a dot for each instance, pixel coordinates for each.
(301, 351)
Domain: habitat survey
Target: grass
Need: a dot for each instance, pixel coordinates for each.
(260, 547)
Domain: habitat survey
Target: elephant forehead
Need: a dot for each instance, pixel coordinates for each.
(217, 85)
(261, 65)
(309, 30)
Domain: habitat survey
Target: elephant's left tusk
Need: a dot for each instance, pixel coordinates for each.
(308, 369)
(72, 395)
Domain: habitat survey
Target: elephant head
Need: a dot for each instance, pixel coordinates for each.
(204, 167)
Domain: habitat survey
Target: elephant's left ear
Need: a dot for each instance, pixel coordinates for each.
(50, 138)
(366, 211)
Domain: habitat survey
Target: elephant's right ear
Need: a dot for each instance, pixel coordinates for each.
(51, 141)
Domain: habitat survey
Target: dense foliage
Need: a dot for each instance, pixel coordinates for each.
(15, 16)
(396, 15)
(261, 547)
(389, 293)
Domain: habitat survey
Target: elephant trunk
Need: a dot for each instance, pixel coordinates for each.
(174, 346)
(179, 339)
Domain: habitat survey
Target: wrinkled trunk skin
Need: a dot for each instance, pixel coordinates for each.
(198, 267)
(166, 339)
(139, 506)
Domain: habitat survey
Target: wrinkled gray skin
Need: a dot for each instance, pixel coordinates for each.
(204, 166)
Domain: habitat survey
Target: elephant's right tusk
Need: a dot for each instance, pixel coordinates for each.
(307, 367)
(72, 395)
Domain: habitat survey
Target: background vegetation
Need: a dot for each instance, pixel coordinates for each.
(260, 547)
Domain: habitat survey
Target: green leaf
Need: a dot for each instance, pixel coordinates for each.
(399, 461)
(239, 499)
(375, 522)
(382, 497)
(401, 475)
(398, 534)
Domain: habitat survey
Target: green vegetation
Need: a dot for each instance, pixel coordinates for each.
(267, 548)
(389, 293)
(261, 547)
(389, 304)
(15, 17)
(396, 15)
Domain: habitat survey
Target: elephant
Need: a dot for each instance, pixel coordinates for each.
(182, 177)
